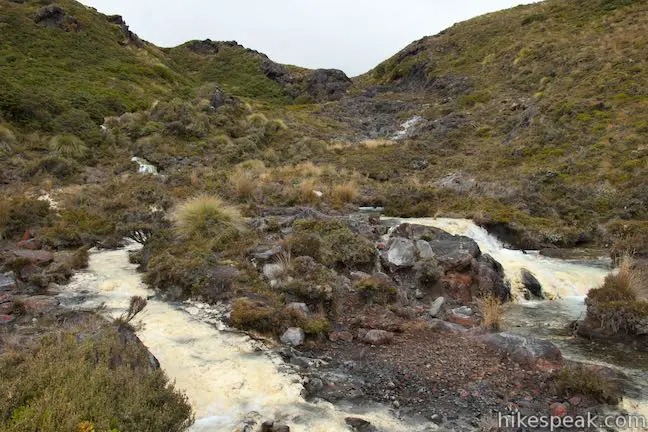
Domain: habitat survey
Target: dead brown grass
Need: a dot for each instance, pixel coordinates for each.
(492, 310)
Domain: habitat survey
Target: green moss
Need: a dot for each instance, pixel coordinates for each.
(338, 245)
(376, 290)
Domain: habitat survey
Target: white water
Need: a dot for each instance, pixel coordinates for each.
(145, 167)
(559, 278)
(225, 374)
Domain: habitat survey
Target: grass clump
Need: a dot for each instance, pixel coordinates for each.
(344, 193)
(68, 146)
(207, 217)
(584, 381)
(7, 140)
(98, 379)
(491, 309)
(255, 315)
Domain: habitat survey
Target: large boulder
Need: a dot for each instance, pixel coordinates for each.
(401, 253)
(327, 84)
(527, 351)
(360, 425)
(492, 280)
(531, 283)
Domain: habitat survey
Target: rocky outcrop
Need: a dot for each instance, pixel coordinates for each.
(327, 84)
(56, 17)
(130, 38)
(378, 337)
(426, 260)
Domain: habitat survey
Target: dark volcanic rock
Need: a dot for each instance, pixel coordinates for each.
(55, 17)
(492, 279)
(360, 425)
(327, 84)
(531, 283)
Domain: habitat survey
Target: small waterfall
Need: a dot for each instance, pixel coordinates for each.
(225, 374)
(559, 278)
(145, 167)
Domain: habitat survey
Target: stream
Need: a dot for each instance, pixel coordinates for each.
(227, 375)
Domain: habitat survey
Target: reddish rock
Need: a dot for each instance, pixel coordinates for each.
(31, 244)
(559, 409)
(458, 286)
(462, 320)
(7, 319)
(26, 236)
(378, 337)
(343, 336)
(576, 400)
(38, 305)
(35, 257)
(6, 308)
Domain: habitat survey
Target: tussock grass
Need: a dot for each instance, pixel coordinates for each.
(492, 310)
(7, 140)
(344, 193)
(375, 143)
(68, 146)
(206, 216)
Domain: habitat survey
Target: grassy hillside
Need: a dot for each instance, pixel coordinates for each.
(543, 106)
(66, 76)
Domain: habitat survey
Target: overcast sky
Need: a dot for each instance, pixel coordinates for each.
(352, 35)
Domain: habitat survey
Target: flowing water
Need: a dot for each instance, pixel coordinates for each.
(568, 282)
(225, 374)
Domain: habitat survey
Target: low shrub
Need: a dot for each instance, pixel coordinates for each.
(339, 245)
(256, 315)
(96, 378)
(585, 381)
(376, 290)
(78, 227)
(428, 273)
(18, 215)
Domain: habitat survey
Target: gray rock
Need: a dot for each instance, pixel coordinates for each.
(298, 307)
(378, 337)
(419, 294)
(463, 310)
(446, 327)
(435, 308)
(7, 283)
(294, 336)
(524, 350)
(401, 253)
(272, 271)
(531, 283)
(424, 250)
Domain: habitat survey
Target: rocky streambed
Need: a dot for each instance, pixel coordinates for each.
(425, 364)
